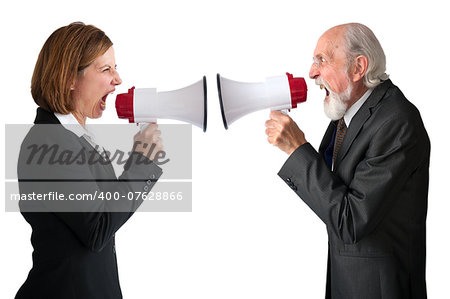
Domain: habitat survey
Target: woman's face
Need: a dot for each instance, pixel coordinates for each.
(92, 86)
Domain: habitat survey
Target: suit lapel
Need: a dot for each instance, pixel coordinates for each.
(360, 119)
(107, 167)
(45, 117)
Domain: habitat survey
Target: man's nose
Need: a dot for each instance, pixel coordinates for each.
(314, 71)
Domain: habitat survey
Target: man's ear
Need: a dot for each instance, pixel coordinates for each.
(359, 68)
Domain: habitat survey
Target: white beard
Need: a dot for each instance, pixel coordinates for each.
(337, 103)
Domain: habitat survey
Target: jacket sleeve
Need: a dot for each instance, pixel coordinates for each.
(353, 209)
(97, 224)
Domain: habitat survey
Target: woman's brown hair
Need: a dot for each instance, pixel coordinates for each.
(65, 54)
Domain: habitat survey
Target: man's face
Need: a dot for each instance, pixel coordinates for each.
(330, 71)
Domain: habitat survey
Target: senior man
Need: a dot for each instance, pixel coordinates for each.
(369, 180)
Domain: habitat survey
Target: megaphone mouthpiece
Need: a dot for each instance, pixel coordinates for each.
(124, 105)
(298, 89)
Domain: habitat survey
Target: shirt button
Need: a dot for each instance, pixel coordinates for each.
(145, 188)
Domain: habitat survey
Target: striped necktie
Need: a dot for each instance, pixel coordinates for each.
(340, 134)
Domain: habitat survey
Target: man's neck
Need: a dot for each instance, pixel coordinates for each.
(358, 91)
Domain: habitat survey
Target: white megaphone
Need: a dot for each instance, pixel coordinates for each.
(278, 93)
(145, 105)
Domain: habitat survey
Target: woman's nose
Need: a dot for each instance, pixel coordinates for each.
(116, 79)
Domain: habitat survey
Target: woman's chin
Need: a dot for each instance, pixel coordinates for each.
(99, 114)
(98, 111)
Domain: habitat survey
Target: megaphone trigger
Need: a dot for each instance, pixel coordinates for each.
(142, 126)
(284, 111)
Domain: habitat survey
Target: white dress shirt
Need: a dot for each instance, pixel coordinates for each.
(69, 122)
(355, 107)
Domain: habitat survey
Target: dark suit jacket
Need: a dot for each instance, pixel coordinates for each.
(374, 203)
(74, 252)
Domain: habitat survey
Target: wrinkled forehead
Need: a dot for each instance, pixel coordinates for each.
(331, 45)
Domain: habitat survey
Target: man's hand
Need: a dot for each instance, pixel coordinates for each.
(283, 132)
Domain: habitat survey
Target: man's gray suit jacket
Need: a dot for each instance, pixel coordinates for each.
(374, 202)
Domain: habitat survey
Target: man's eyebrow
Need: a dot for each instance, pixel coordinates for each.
(329, 54)
(322, 55)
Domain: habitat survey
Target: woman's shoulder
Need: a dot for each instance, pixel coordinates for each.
(49, 134)
(48, 139)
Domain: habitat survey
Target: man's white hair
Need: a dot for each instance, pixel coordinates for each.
(360, 40)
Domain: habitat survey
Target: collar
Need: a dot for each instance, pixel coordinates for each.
(355, 107)
(69, 122)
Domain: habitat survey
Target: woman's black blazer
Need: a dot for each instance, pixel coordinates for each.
(74, 253)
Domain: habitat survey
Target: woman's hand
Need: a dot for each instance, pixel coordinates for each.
(148, 141)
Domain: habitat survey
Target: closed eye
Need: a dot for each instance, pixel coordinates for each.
(108, 68)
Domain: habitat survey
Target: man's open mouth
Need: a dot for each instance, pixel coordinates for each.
(326, 90)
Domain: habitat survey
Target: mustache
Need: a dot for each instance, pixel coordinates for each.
(320, 81)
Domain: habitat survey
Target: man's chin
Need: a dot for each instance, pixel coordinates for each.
(334, 109)
(333, 117)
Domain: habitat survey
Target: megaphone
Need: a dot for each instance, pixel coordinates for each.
(145, 105)
(240, 98)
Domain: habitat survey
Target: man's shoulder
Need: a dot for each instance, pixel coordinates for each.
(393, 104)
(396, 115)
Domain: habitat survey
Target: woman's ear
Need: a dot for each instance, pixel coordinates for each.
(73, 84)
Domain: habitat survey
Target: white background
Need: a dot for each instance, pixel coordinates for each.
(249, 235)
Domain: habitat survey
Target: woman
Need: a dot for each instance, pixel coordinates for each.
(74, 253)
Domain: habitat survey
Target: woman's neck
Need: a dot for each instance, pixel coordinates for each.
(80, 118)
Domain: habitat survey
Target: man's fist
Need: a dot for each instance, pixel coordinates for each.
(283, 132)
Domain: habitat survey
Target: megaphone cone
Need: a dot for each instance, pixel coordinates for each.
(188, 104)
(240, 98)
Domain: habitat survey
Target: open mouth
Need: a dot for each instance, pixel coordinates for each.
(103, 102)
(326, 90)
